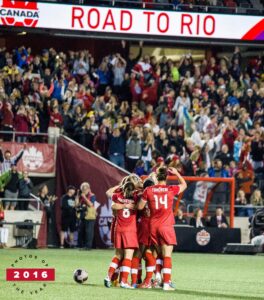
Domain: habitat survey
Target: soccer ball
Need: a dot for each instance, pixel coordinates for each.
(80, 276)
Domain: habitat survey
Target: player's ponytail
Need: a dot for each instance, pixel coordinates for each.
(128, 189)
(162, 174)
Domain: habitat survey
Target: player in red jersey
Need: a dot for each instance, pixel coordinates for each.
(125, 234)
(160, 202)
(113, 270)
(143, 231)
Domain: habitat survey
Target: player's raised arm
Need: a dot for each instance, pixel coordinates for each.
(183, 184)
(119, 203)
(110, 192)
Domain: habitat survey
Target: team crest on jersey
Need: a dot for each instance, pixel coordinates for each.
(203, 238)
(19, 13)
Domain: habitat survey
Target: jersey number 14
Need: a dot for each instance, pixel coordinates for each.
(162, 200)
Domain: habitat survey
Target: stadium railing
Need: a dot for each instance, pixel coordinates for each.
(12, 135)
(36, 200)
(243, 9)
(190, 208)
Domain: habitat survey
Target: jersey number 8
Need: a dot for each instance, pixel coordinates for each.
(162, 200)
(126, 213)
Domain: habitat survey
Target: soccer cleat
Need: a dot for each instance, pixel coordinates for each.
(168, 287)
(107, 282)
(145, 285)
(125, 285)
(134, 286)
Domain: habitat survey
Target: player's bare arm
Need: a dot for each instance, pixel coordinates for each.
(110, 192)
(119, 206)
(141, 204)
(183, 184)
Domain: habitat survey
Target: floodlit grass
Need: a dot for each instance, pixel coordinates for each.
(197, 276)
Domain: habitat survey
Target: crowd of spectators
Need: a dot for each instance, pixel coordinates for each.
(218, 220)
(203, 117)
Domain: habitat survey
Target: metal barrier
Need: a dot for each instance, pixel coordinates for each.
(32, 199)
(11, 135)
(226, 207)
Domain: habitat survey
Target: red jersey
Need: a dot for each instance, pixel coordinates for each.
(125, 218)
(160, 202)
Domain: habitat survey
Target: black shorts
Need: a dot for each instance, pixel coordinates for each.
(68, 223)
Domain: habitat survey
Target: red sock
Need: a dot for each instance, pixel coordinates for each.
(159, 262)
(115, 275)
(166, 269)
(150, 266)
(139, 275)
(134, 269)
(126, 268)
(113, 266)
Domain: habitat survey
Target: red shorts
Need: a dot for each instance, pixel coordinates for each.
(112, 230)
(125, 240)
(143, 232)
(164, 235)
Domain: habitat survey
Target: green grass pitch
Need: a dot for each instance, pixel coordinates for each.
(197, 276)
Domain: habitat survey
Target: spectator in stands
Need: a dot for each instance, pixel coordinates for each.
(219, 220)
(241, 200)
(245, 178)
(87, 217)
(217, 170)
(7, 120)
(25, 186)
(197, 220)
(117, 146)
(21, 122)
(180, 218)
(133, 151)
(257, 151)
(224, 155)
(256, 199)
(11, 189)
(7, 160)
(68, 216)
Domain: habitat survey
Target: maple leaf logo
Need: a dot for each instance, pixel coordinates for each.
(19, 13)
(33, 158)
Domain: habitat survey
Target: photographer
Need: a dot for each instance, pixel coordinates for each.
(48, 203)
(87, 215)
(68, 215)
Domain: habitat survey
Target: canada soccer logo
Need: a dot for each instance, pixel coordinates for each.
(33, 159)
(203, 238)
(19, 13)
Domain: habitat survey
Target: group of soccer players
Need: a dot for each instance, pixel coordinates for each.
(142, 227)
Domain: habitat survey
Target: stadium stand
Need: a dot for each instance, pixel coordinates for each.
(205, 117)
